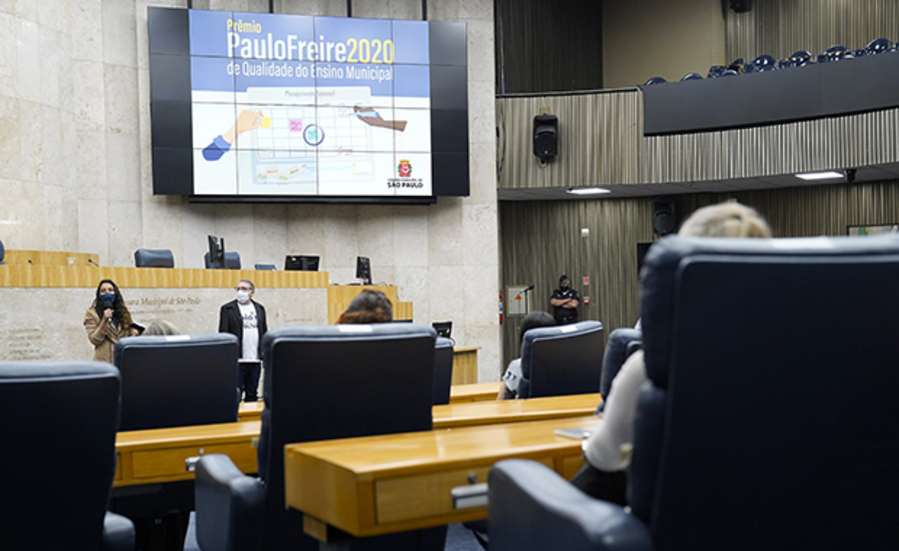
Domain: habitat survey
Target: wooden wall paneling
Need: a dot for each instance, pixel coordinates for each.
(600, 140)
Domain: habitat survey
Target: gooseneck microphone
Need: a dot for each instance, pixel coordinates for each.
(91, 260)
(528, 288)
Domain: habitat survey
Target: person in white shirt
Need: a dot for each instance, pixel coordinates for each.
(245, 318)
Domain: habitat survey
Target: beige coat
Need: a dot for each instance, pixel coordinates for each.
(104, 339)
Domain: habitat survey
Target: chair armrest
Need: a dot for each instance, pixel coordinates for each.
(229, 506)
(118, 533)
(532, 507)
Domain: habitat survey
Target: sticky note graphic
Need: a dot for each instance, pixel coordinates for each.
(266, 122)
(295, 125)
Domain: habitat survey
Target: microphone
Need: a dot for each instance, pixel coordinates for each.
(30, 262)
(528, 288)
(91, 260)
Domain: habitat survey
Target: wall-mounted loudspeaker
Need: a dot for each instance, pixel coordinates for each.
(663, 220)
(546, 136)
(740, 6)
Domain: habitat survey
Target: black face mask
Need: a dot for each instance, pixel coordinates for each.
(564, 286)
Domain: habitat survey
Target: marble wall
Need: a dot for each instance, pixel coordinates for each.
(56, 331)
(75, 170)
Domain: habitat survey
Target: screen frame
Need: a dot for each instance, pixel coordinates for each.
(171, 101)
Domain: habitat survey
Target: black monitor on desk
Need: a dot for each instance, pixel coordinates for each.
(443, 328)
(216, 252)
(301, 263)
(363, 269)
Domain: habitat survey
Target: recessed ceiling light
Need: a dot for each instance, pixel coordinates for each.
(828, 175)
(588, 190)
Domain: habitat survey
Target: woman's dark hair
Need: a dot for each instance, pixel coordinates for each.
(120, 311)
(535, 320)
(368, 307)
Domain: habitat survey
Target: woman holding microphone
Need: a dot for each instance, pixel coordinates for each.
(108, 320)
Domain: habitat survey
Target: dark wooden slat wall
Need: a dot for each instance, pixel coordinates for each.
(541, 240)
(781, 27)
(548, 46)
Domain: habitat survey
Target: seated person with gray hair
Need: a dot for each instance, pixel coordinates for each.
(608, 450)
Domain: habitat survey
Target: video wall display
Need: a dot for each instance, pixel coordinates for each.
(260, 106)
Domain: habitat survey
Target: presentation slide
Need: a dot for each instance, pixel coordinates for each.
(298, 105)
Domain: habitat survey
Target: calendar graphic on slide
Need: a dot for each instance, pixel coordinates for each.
(307, 135)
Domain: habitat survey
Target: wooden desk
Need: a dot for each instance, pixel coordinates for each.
(148, 456)
(466, 414)
(158, 455)
(477, 392)
(471, 414)
(250, 410)
(340, 296)
(384, 484)
(465, 365)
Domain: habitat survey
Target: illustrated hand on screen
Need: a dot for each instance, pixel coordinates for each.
(373, 118)
(246, 121)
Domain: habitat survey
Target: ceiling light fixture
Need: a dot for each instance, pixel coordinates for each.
(827, 175)
(588, 190)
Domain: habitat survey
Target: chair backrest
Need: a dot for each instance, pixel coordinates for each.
(561, 360)
(443, 370)
(59, 426)
(771, 419)
(179, 380)
(232, 261)
(337, 381)
(154, 258)
(623, 342)
(264, 267)
(2, 253)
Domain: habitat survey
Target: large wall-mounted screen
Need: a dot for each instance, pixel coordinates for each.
(255, 106)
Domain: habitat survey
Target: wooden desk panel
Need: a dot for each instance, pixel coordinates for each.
(147, 456)
(465, 365)
(81, 276)
(477, 392)
(384, 484)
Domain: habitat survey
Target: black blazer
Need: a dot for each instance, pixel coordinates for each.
(230, 321)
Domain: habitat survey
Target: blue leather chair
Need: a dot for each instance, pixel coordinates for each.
(691, 76)
(264, 267)
(769, 421)
(178, 381)
(232, 262)
(154, 258)
(561, 360)
(764, 63)
(172, 381)
(321, 382)
(654, 81)
(834, 53)
(59, 427)
(879, 46)
(623, 342)
(2, 253)
(443, 370)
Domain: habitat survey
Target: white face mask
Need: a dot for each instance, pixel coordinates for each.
(243, 297)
